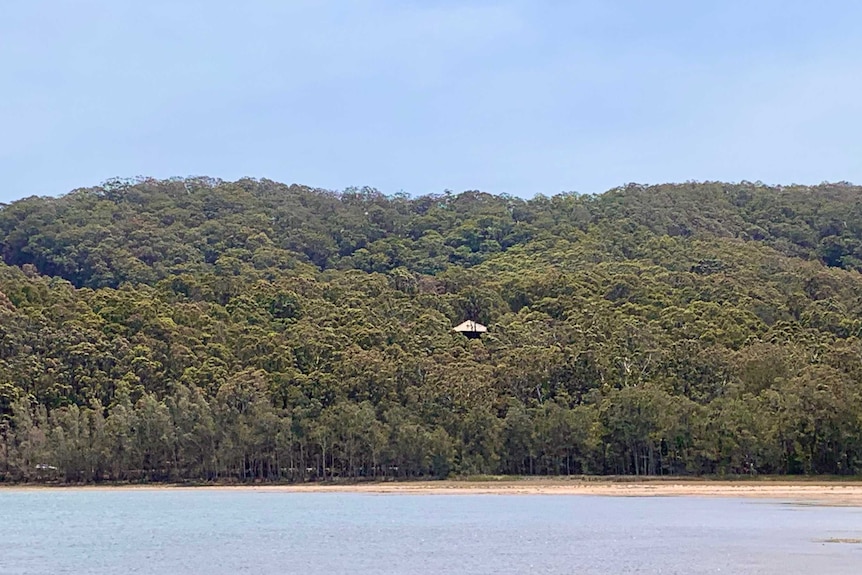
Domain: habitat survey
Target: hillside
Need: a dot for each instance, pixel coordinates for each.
(199, 329)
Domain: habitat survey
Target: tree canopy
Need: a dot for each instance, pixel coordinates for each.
(194, 329)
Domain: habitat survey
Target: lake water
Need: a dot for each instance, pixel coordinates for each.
(263, 532)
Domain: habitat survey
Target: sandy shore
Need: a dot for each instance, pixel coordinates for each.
(826, 493)
(812, 492)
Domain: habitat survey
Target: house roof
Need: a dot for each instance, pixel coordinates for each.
(470, 325)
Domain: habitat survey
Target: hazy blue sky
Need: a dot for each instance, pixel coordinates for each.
(511, 96)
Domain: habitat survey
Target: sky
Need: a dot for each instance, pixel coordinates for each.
(513, 96)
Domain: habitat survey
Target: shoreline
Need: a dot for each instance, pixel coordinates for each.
(843, 493)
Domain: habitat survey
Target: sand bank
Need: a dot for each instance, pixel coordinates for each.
(807, 491)
(844, 493)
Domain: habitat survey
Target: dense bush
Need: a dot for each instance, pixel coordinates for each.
(198, 329)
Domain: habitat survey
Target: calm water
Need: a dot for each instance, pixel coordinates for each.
(221, 532)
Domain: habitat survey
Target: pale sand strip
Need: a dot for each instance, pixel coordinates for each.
(825, 493)
(828, 494)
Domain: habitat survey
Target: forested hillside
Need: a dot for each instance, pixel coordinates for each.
(205, 330)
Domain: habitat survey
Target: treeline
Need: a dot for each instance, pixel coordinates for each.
(143, 231)
(806, 427)
(202, 330)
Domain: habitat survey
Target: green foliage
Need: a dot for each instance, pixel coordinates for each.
(205, 330)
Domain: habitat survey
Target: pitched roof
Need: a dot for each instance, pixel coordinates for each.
(470, 325)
